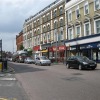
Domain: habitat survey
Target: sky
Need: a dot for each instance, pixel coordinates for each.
(12, 16)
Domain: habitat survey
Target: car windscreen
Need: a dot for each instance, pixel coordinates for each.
(83, 58)
(43, 58)
(29, 58)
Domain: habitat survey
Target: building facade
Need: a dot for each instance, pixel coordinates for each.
(19, 40)
(45, 32)
(83, 28)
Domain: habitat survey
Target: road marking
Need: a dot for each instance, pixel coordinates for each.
(7, 79)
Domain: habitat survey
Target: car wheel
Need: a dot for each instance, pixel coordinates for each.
(67, 66)
(49, 64)
(93, 68)
(35, 63)
(80, 67)
(40, 64)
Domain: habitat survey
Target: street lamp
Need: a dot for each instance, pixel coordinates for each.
(1, 48)
(77, 45)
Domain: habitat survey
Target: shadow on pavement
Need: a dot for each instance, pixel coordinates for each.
(22, 68)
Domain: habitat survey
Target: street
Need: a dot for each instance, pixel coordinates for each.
(56, 82)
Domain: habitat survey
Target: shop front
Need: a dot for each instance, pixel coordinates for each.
(57, 53)
(90, 50)
(61, 52)
(44, 52)
(36, 51)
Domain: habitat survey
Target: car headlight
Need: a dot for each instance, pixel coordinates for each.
(85, 63)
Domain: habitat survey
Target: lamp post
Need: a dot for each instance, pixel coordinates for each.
(1, 48)
(77, 46)
(56, 45)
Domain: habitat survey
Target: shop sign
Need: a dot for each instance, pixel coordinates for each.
(36, 48)
(89, 46)
(50, 49)
(98, 45)
(61, 48)
(54, 48)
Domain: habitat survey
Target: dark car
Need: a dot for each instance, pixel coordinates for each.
(29, 60)
(80, 62)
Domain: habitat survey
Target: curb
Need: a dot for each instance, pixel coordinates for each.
(8, 70)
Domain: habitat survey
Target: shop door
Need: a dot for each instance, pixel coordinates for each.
(86, 53)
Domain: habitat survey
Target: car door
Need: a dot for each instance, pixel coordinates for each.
(70, 61)
(36, 60)
(75, 62)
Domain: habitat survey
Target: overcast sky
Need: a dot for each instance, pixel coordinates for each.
(12, 16)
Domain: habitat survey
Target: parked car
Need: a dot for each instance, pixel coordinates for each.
(80, 62)
(42, 60)
(29, 60)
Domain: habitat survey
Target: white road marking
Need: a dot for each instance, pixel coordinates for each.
(7, 79)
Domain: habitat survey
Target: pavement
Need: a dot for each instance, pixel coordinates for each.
(11, 88)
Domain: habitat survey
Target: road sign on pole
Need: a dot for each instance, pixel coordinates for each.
(1, 49)
(0, 43)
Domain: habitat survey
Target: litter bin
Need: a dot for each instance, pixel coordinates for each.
(4, 65)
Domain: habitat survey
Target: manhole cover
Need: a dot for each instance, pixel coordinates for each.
(77, 74)
(72, 78)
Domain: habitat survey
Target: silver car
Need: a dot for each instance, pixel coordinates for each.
(42, 60)
(29, 60)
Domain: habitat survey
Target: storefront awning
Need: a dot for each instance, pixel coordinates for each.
(44, 51)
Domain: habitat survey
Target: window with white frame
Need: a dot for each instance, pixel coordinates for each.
(77, 12)
(48, 37)
(55, 36)
(97, 26)
(35, 41)
(61, 22)
(61, 10)
(61, 35)
(96, 4)
(86, 8)
(69, 16)
(38, 40)
(87, 29)
(78, 31)
(70, 33)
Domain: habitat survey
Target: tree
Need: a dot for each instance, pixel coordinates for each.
(21, 47)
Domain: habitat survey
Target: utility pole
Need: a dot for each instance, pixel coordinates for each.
(56, 45)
